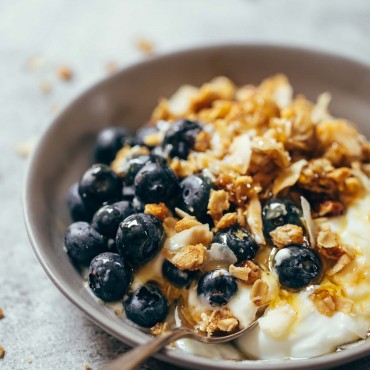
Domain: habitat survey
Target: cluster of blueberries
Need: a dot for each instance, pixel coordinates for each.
(113, 236)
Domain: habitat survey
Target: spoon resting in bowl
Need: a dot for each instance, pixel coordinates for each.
(184, 329)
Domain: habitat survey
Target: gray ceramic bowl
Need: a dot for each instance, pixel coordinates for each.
(128, 97)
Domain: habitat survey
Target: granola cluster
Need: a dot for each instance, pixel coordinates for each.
(220, 320)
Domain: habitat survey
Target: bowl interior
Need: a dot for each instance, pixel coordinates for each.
(128, 98)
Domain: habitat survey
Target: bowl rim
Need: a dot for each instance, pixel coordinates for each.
(174, 357)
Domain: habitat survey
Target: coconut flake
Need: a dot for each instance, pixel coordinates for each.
(208, 174)
(180, 101)
(240, 154)
(254, 219)
(310, 225)
(283, 95)
(288, 176)
(182, 214)
(219, 254)
(276, 87)
(320, 110)
(194, 235)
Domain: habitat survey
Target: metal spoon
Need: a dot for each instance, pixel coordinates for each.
(135, 357)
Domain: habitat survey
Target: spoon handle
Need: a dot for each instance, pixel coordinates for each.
(136, 356)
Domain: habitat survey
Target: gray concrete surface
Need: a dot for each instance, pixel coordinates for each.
(41, 329)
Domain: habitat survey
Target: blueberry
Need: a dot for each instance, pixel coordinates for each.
(98, 185)
(108, 142)
(109, 276)
(83, 242)
(278, 212)
(175, 276)
(107, 219)
(134, 165)
(297, 266)
(139, 238)
(142, 133)
(180, 138)
(217, 287)
(195, 190)
(76, 206)
(156, 183)
(239, 240)
(146, 306)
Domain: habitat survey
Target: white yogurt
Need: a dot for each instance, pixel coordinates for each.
(309, 334)
(300, 332)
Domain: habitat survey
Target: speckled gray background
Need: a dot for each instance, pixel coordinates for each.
(41, 329)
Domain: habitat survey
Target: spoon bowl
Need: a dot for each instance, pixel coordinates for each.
(184, 329)
(201, 336)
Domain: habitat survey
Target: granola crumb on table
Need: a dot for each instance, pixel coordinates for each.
(65, 73)
(111, 67)
(86, 366)
(145, 46)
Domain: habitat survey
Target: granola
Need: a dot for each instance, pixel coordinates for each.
(259, 292)
(331, 208)
(190, 257)
(227, 220)
(286, 235)
(249, 273)
(328, 303)
(158, 210)
(218, 203)
(186, 223)
(85, 365)
(65, 73)
(159, 328)
(219, 320)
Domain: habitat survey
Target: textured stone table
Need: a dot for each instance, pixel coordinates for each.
(41, 329)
